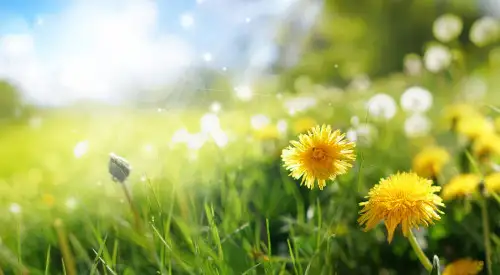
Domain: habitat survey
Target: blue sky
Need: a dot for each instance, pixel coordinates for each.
(66, 49)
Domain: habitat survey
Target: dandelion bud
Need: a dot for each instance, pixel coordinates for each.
(119, 168)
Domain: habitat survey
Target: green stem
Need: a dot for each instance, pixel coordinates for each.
(486, 233)
(418, 250)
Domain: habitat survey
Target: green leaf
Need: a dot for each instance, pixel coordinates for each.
(436, 269)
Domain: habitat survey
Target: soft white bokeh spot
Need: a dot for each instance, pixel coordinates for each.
(259, 121)
(417, 125)
(15, 208)
(382, 106)
(81, 149)
(437, 58)
(244, 93)
(187, 20)
(209, 123)
(416, 100)
(447, 27)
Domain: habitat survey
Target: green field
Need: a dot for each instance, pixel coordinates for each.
(209, 192)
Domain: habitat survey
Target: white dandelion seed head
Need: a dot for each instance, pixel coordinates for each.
(484, 31)
(81, 149)
(417, 125)
(244, 93)
(15, 208)
(437, 58)
(209, 123)
(259, 121)
(382, 106)
(416, 100)
(447, 27)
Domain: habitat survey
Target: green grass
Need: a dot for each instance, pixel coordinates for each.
(230, 210)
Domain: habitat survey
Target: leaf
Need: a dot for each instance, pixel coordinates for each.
(436, 269)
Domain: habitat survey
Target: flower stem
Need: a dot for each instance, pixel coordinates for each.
(135, 212)
(418, 250)
(486, 233)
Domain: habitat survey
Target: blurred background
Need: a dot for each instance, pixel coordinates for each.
(201, 97)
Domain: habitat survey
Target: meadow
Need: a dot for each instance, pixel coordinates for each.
(209, 191)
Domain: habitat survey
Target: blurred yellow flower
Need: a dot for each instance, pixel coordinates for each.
(430, 161)
(487, 145)
(492, 182)
(303, 125)
(48, 199)
(474, 126)
(402, 198)
(320, 154)
(463, 267)
(460, 186)
(267, 132)
(454, 113)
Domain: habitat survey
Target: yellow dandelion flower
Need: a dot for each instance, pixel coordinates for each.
(430, 161)
(460, 186)
(303, 125)
(320, 154)
(48, 199)
(403, 198)
(465, 266)
(487, 145)
(474, 126)
(454, 113)
(492, 182)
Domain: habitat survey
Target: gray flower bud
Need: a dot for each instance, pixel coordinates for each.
(119, 168)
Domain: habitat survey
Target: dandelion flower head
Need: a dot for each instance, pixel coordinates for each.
(430, 161)
(402, 198)
(487, 145)
(463, 267)
(474, 126)
(460, 186)
(320, 154)
(492, 182)
(456, 112)
(447, 27)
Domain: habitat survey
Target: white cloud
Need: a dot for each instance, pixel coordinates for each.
(93, 50)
